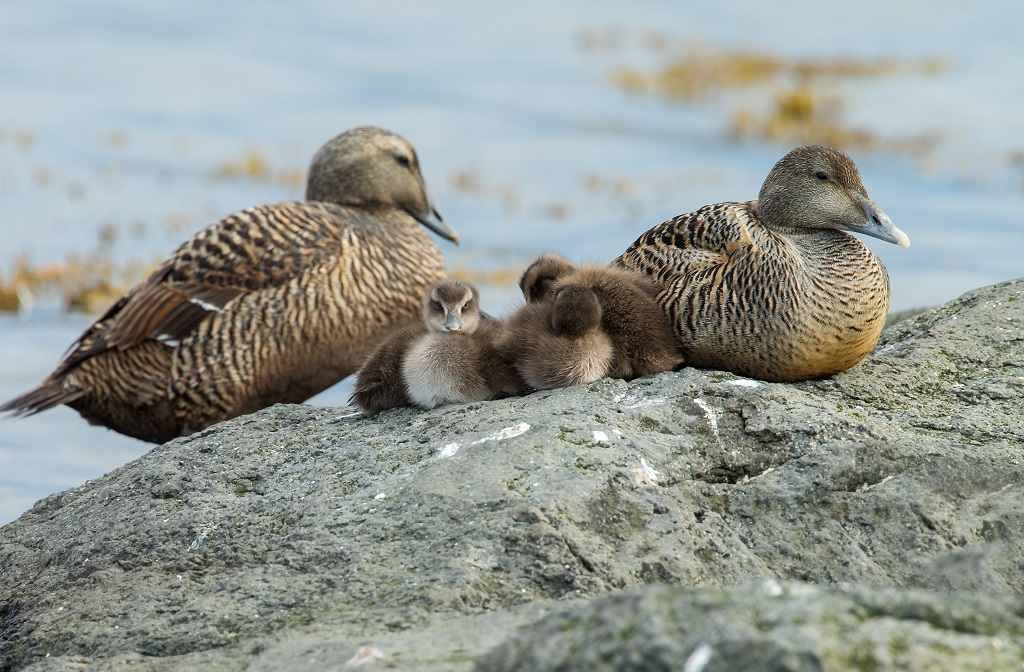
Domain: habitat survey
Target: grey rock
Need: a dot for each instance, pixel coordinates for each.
(900, 315)
(290, 538)
(771, 627)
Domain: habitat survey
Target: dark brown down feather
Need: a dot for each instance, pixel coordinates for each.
(581, 323)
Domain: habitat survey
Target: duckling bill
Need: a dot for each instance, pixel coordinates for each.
(775, 288)
(269, 305)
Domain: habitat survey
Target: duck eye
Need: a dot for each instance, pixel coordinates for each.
(402, 160)
(436, 305)
(821, 175)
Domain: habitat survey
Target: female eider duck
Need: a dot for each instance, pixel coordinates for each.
(582, 323)
(271, 304)
(448, 357)
(775, 288)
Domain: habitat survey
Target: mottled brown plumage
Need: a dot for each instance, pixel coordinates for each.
(775, 288)
(447, 357)
(582, 323)
(271, 304)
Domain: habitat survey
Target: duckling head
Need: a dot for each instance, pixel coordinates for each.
(373, 167)
(575, 312)
(538, 278)
(817, 187)
(452, 305)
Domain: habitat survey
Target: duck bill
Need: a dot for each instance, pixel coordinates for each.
(879, 225)
(432, 220)
(452, 321)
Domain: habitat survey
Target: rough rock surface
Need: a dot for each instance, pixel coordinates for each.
(768, 626)
(311, 538)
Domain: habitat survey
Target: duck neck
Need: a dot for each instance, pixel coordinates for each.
(817, 247)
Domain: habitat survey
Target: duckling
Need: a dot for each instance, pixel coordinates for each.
(549, 355)
(536, 281)
(585, 322)
(455, 361)
(776, 288)
(446, 357)
(638, 328)
(270, 304)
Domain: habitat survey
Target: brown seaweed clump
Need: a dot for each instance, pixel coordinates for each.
(785, 100)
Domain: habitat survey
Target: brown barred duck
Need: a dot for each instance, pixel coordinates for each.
(777, 288)
(271, 304)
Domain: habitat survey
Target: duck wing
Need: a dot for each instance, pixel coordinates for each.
(248, 251)
(704, 239)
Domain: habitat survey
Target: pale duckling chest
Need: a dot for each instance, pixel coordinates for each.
(442, 368)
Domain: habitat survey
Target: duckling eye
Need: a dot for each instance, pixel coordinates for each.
(436, 305)
(821, 175)
(540, 288)
(402, 160)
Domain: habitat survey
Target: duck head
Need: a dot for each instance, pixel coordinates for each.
(373, 167)
(817, 187)
(452, 305)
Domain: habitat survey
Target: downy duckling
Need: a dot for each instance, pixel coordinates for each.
(446, 357)
(585, 322)
(556, 348)
(455, 361)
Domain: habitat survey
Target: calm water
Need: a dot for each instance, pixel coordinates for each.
(118, 114)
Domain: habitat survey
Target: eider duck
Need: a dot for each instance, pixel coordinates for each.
(776, 288)
(456, 361)
(447, 357)
(270, 304)
(582, 323)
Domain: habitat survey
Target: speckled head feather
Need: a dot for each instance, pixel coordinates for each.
(816, 187)
(370, 167)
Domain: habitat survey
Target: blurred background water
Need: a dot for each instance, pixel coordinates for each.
(572, 126)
